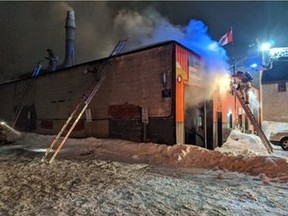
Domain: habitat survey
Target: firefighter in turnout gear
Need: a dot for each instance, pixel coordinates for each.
(53, 60)
(243, 84)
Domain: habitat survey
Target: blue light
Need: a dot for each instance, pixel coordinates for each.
(254, 65)
(213, 46)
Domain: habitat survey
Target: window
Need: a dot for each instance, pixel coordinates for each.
(282, 87)
(229, 120)
(240, 123)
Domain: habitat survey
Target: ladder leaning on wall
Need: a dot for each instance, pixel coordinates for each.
(253, 121)
(27, 91)
(83, 104)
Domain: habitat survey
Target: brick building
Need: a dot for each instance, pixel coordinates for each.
(274, 92)
(145, 97)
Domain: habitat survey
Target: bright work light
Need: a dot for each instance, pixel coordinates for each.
(265, 46)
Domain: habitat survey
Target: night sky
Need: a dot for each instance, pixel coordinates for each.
(29, 28)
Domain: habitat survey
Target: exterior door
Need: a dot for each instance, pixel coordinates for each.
(219, 129)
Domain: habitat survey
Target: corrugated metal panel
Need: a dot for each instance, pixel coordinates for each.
(182, 60)
(182, 69)
(181, 76)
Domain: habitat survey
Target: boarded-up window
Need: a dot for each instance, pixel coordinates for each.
(125, 111)
(47, 124)
(282, 87)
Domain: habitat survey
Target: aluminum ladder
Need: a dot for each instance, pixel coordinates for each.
(83, 104)
(253, 121)
(27, 93)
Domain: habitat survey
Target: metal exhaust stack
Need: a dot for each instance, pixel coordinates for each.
(70, 37)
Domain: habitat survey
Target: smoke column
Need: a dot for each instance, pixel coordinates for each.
(40, 25)
(150, 27)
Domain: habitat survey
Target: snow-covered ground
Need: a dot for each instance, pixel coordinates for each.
(116, 177)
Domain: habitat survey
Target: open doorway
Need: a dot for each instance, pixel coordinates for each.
(194, 116)
(219, 129)
(194, 125)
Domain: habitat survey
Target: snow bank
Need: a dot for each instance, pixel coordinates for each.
(87, 179)
(242, 144)
(62, 188)
(241, 153)
(94, 187)
(270, 126)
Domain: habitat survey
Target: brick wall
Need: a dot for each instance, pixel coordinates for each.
(134, 79)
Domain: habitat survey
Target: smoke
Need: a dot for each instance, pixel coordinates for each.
(60, 9)
(95, 35)
(29, 28)
(65, 6)
(253, 100)
(99, 26)
(150, 27)
(194, 96)
(132, 24)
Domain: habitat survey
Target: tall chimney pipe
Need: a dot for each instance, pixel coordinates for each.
(70, 37)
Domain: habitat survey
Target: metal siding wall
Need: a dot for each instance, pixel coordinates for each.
(181, 73)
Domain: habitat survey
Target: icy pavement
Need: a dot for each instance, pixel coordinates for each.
(112, 188)
(117, 177)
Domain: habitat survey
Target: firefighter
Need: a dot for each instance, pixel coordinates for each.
(53, 59)
(243, 82)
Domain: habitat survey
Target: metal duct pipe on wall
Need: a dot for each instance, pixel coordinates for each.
(70, 37)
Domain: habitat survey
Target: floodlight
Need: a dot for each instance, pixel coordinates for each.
(265, 46)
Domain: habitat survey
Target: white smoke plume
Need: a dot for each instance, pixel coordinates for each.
(132, 24)
(253, 100)
(150, 27)
(99, 26)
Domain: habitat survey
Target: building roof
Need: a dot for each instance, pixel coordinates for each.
(157, 45)
(139, 49)
(278, 73)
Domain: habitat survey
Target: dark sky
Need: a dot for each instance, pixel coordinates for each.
(29, 28)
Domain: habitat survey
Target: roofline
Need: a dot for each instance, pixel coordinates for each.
(273, 82)
(151, 46)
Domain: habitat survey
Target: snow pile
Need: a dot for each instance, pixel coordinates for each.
(243, 144)
(254, 161)
(94, 187)
(269, 127)
(89, 177)
(62, 188)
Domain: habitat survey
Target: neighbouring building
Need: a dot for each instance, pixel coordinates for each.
(274, 92)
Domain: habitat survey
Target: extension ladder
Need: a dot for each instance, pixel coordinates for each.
(253, 121)
(27, 93)
(83, 104)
